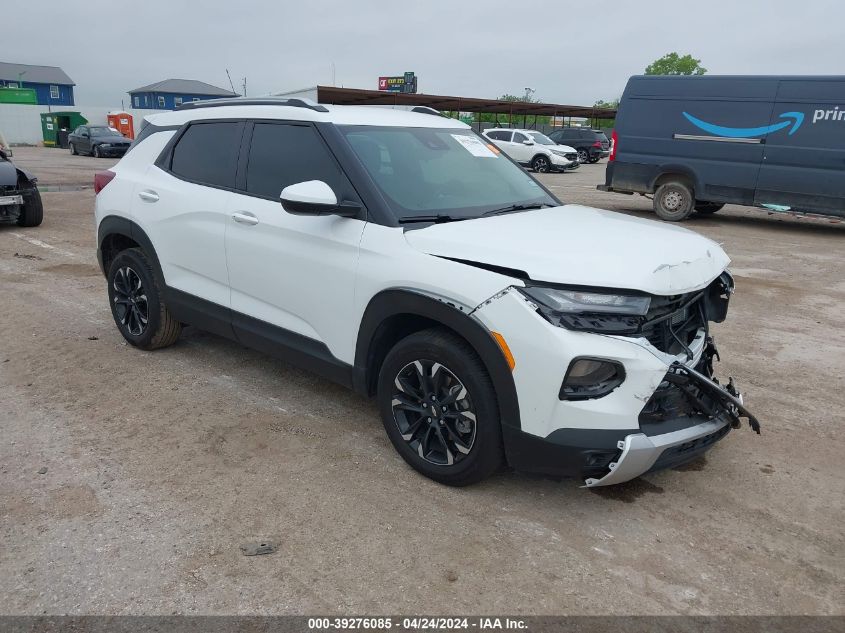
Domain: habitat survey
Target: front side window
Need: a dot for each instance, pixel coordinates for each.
(541, 139)
(286, 154)
(207, 153)
(450, 172)
(54, 92)
(519, 138)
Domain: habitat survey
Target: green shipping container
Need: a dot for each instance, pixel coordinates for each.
(53, 123)
(18, 95)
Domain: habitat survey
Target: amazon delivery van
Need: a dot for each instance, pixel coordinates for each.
(697, 143)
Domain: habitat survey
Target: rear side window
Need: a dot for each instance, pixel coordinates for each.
(499, 135)
(285, 154)
(207, 153)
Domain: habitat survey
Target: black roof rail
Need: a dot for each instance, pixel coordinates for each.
(237, 101)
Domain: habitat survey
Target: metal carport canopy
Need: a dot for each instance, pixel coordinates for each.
(354, 96)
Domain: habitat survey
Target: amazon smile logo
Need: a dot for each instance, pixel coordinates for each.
(795, 119)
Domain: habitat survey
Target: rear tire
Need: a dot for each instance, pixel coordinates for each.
(583, 155)
(32, 211)
(708, 207)
(674, 201)
(137, 304)
(594, 160)
(439, 408)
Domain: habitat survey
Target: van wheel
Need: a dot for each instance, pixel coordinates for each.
(540, 164)
(439, 408)
(674, 201)
(708, 207)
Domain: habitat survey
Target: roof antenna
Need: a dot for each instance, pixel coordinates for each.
(231, 85)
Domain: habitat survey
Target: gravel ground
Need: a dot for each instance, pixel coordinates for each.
(160, 465)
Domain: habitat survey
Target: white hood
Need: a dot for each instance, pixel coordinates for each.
(582, 246)
(563, 148)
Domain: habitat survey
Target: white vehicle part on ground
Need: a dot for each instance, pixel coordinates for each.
(580, 245)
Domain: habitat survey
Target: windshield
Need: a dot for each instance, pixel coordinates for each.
(542, 139)
(104, 131)
(449, 172)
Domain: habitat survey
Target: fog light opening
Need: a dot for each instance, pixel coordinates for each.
(589, 378)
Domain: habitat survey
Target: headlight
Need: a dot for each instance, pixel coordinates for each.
(590, 311)
(105, 144)
(558, 153)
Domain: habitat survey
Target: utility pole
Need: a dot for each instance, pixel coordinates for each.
(231, 85)
(244, 86)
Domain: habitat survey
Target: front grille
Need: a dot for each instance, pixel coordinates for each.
(672, 322)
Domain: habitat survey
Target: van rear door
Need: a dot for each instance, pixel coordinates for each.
(804, 164)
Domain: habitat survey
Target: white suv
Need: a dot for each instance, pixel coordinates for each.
(399, 254)
(534, 149)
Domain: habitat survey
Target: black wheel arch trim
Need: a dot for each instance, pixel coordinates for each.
(400, 301)
(116, 225)
(671, 170)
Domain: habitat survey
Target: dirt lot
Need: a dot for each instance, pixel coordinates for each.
(159, 465)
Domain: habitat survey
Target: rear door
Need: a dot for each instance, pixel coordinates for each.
(804, 161)
(183, 204)
(291, 274)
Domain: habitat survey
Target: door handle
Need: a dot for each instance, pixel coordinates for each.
(148, 196)
(245, 217)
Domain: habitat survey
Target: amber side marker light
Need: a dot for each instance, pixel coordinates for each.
(505, 349)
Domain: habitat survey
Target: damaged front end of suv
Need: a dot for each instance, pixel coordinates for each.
(632, 359)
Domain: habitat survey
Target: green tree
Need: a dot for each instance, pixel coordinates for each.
(606, 123)
(674, 64)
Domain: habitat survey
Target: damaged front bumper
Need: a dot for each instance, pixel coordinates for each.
(719, 409)
(668, 410)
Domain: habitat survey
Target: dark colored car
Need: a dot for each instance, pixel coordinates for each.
(20, 202)
(698, 143)
(98, 140)
(592, 146)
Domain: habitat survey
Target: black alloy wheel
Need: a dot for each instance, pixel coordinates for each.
(131, 307)
(434, 412)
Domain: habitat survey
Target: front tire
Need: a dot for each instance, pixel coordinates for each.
(73, 151)
(439, 408)
(674, 201)
(137, 304)
(541, 164)
(32, 211)
(96, 152)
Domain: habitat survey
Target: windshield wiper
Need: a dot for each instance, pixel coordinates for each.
(430, 218)
(517, 207)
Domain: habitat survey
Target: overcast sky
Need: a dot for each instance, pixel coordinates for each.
(571, 53)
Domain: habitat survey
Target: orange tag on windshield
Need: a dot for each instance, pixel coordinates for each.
(493, 148)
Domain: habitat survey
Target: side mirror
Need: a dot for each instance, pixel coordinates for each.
(314, 197)
(528, 142)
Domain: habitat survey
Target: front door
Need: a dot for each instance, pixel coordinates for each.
(291, 276)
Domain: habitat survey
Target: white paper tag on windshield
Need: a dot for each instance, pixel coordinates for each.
(474, 146)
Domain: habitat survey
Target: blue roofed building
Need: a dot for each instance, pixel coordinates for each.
(51, 84)
(171, 93)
